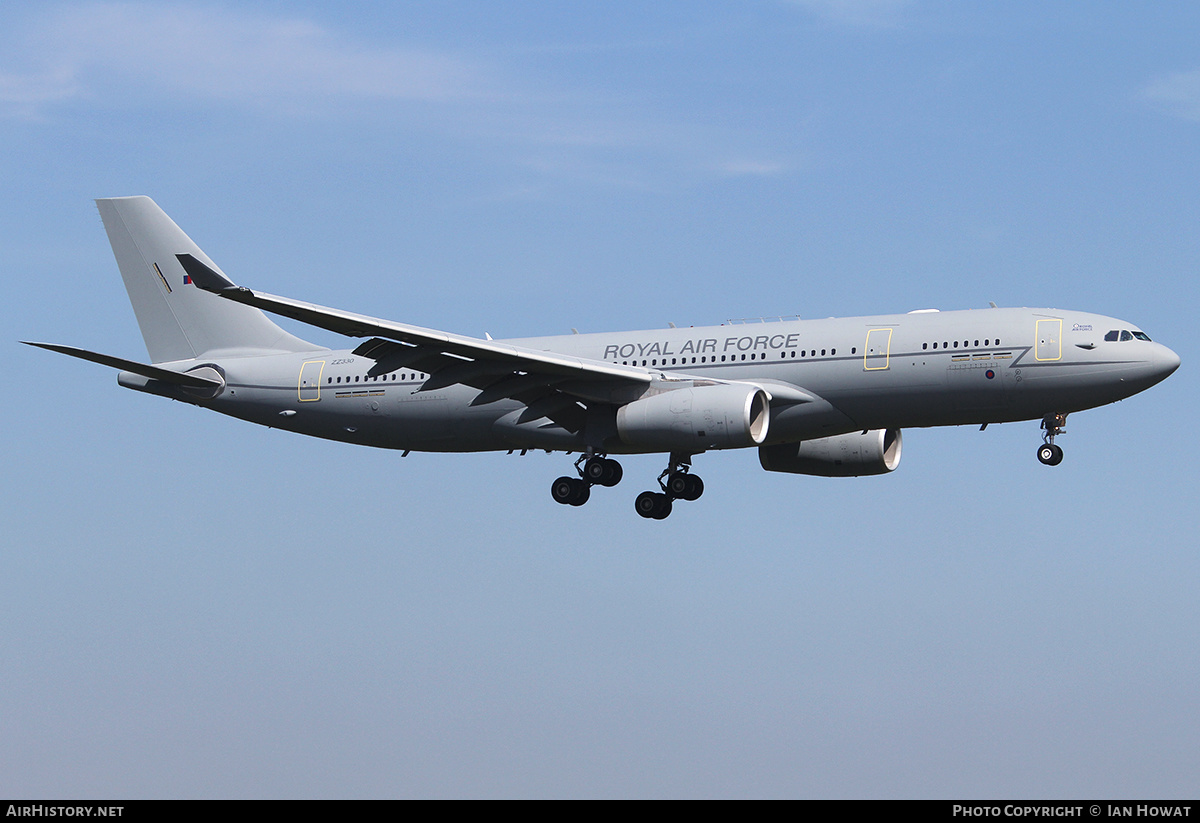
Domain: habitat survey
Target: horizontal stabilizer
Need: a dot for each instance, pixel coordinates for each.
(191, 381)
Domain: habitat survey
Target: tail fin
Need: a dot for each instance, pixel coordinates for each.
(178, 320)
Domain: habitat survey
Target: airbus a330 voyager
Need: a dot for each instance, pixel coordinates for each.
(818, 397)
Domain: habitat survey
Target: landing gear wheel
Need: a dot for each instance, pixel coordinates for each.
(602, 471)
(569, 491)
(664, 508)
(582, 492)
(595, 469)
(684, 486)
(1050, 454)
(615, 473)
(654, 505)
(563, 489)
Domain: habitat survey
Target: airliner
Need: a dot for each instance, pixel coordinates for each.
(816, 397)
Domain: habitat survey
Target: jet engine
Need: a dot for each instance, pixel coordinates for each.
(725, 416)
(857, 454)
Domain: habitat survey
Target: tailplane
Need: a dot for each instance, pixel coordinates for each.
(178, 320)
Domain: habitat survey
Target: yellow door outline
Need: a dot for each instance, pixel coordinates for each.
(308, 385)
(1048, 341)
(877, 350)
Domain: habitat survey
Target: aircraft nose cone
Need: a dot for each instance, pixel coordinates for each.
(1167, 362)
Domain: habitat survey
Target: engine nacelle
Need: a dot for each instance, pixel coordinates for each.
(857, 454)
(726, 416)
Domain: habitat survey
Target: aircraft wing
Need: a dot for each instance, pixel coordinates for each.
(547, 382)
(552, 385)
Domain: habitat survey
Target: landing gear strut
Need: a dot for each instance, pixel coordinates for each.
(593, 469)
(1052, 426)
(677, 483)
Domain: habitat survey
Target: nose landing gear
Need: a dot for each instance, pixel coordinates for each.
(593, 469)
(1052, 426)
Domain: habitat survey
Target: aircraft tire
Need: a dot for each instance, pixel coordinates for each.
(615, 473)
(664, 507)
(595, 470)
(580, 493)
(647, 504)
(1050, 454)
(695, 488)
(677, 484)
(602, 471)
(563, 489)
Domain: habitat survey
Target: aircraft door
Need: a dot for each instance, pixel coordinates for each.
(309, 384)
(1049, 339)
(877, 352)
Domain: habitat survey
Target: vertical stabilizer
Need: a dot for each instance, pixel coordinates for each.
(178, 320)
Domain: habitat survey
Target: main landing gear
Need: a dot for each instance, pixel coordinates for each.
(676, 481)
(677, 484)
(593, 469)
(1052, 426)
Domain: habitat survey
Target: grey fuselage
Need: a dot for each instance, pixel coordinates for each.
(890, 371)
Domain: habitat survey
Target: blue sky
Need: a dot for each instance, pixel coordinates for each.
(197, 607)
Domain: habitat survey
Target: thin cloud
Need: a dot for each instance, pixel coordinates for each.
(1177, 93)
(225, 55)
(100, 55)
(752, 168)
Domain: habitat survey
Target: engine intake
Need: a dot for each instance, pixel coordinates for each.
(857, 454)
(726, 416)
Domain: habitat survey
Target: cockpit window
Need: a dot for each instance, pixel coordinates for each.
(1125, 336)
(1141, 335)
(1112, 336)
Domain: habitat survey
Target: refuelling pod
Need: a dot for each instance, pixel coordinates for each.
(857, 454)
(726, 416)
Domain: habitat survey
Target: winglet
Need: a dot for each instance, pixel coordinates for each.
(202, 276)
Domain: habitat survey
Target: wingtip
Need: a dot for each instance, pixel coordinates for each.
(202, 276)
